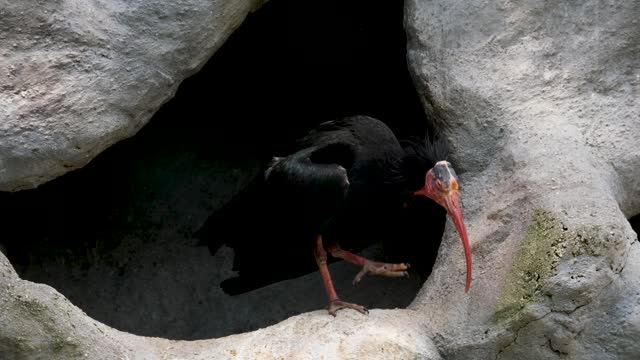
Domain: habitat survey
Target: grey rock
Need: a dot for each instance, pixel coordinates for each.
(540, 103)
(37, 322)
(79, 77)
(383, 334)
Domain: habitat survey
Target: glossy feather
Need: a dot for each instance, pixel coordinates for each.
(346, 179)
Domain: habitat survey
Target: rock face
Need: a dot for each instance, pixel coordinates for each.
(37, 322)
(539, 100)
(79, 77)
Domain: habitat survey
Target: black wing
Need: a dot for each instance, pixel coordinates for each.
(271, 224)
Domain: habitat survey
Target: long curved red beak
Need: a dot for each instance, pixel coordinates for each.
(455, 211)
(446, 194)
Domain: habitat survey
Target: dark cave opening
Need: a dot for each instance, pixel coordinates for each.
(115, 236)
(635, 224)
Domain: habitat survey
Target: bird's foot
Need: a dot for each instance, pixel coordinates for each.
(369, 266)
(336, 305)
(382, 269)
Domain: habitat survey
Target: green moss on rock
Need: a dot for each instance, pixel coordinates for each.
(547, 240)
(543, 246)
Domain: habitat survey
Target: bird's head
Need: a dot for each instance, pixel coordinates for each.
(440, 184)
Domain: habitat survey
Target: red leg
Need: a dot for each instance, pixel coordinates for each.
(335, 303)
(369, 266)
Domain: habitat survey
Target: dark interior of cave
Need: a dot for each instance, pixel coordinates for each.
(635, 224)
(115, 236)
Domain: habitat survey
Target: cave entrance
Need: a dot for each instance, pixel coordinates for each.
(115, 236)
(635, 224)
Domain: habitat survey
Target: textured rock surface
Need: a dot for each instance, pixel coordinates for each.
(384, 334)
(78, 77)
(39, 323)
(540, 101)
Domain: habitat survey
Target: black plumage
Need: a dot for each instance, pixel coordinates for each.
(343, 178)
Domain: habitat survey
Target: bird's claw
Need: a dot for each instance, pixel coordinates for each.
(336, 305)
(382, 269)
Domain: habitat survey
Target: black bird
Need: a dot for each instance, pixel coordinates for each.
(351, 169)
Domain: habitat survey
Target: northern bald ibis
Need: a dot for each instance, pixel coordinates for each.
(342, 167)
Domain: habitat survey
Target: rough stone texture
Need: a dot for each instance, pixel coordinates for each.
(39, 323)
(80, 76)
(540, 102)
(384, 334)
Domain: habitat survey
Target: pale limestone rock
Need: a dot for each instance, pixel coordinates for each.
(78, 77)
(540, 103)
